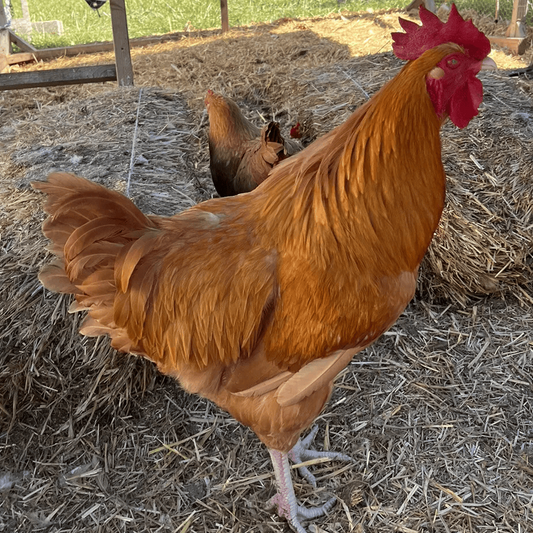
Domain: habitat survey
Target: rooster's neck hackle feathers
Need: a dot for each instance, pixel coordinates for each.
(368, 179)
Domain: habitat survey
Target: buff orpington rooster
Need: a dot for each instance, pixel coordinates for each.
(258, 301)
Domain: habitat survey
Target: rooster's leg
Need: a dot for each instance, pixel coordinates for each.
(285, 499)
(301, 453)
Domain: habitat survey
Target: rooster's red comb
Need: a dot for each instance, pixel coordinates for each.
(417, 39)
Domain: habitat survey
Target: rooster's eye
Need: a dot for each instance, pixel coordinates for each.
(452, 63)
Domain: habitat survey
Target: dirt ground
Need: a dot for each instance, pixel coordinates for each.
(437, 415)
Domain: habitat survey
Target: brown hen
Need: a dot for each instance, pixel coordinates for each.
(241, 154)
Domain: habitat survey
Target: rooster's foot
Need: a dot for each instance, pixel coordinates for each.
(285, 500)
(302, 513)
(301, 452)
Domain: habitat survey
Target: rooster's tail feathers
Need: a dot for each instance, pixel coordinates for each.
(99, 238)
(81, 199)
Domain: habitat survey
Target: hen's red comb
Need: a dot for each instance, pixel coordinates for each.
(295, 131)
(417, 39)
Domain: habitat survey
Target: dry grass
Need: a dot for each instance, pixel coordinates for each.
(437, 414)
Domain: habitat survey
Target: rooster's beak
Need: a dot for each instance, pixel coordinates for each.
(488, 64)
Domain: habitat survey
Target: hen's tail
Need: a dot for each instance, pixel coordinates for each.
(272, 133)
(287, 147)
(97, 238)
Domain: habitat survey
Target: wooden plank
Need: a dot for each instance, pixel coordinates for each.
(20, 58)
(94, 48)
(60, 76)
(53, 53)
(121, 43)
(515, 44)
(5, 42)
(21, 43)
(224, 15)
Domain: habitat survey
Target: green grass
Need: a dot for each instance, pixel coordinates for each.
(150, 17)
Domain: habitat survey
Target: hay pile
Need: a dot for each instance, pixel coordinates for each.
(483, 244)
(437, 414)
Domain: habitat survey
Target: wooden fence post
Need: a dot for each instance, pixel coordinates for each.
(224, 15)
(5, 40)
(517, 27)
(121, 43)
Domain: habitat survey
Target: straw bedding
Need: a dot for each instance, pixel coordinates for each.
(437, 414)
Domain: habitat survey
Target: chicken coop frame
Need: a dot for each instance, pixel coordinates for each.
(121, 70)
(516, 34)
